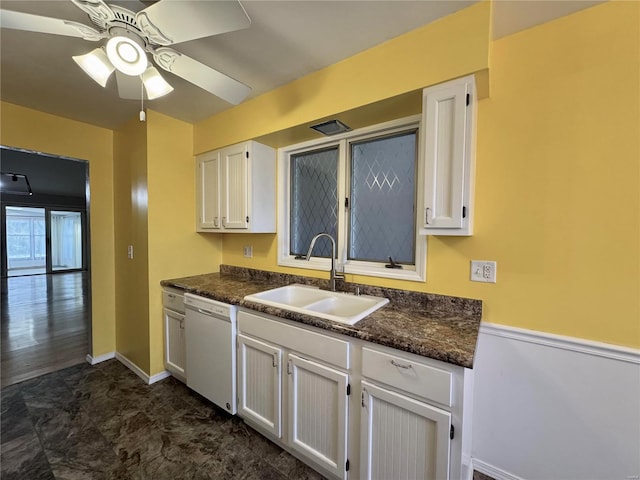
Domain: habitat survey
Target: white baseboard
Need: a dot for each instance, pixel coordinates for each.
(492, 471)
(159, 376)
(100, 358)
(138, 371)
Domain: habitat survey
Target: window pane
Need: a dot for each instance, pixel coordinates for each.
(38, 226)
(18, 226)
(314, 200)
(18, 247)
(382, 213)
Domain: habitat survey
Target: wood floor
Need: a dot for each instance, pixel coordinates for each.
(44, 324)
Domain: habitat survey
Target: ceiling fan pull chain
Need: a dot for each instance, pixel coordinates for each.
(143, 115)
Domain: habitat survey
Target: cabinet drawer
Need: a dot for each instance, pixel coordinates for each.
(408, 375)
(173, 300)
(328, 349)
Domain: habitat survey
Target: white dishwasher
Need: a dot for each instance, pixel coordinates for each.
(210, 328)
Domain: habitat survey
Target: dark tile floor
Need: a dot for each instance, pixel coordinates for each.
(103, 422)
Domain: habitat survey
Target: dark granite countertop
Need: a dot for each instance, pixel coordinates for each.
(436, 326)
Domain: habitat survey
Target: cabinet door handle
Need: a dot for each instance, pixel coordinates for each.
(275, 359)
(362, 396)
(399, 365)
(426, 215)
(224, 221)
(289, 367)
(215, 221)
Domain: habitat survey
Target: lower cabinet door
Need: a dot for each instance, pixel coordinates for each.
(318, 413)
(174, 352)
(260, 383)
(402, 438)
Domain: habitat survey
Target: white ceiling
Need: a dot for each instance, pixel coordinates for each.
(286, 40)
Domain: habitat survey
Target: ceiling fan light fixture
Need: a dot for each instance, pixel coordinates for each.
(126, 55)
(154, 84)
(96, 65)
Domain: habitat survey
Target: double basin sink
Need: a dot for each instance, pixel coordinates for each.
(336, 306)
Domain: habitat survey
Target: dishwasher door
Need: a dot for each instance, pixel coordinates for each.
(211, 351)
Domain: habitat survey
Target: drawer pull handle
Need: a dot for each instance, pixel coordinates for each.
(171, 295)
(399, 365)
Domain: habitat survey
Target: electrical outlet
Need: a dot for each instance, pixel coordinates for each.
(483, 271)
(130, 252)
(248, 251)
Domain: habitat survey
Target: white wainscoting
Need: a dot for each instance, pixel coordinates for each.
(548, 407)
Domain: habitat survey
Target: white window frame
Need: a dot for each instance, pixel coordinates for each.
(415, 273)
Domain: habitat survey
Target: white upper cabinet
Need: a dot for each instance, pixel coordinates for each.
(207, 197)
(447, 170)
(236, 189)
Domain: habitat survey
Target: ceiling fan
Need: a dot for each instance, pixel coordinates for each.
(131, 36)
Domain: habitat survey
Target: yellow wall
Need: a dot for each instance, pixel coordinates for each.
(175, 249)
(130, 226)
(32, 130)
(450, 47)
(558, 158)
(558, 179)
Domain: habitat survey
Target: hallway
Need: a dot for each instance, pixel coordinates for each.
(45, 324)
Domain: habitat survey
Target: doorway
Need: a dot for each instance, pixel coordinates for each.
(45, 307)
(43, 240)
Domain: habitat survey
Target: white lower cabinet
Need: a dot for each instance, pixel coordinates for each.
(353, 409)
(174, 339)
(318, 413)
(306, 412)
(260, 383)
(402, 438)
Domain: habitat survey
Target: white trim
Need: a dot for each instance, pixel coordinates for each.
(416, 274)
(493, 472)
(138, 371)
(100, 358)
(589, 347)
(159, 376)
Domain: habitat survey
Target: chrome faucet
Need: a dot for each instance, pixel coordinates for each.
(332, 274)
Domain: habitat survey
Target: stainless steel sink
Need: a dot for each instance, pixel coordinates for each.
(336, 306)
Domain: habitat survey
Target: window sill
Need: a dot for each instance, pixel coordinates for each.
(351, 269)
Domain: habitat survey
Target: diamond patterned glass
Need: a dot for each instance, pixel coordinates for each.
(314, 200)
(382, 213)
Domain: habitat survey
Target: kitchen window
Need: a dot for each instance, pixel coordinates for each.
(360, 187)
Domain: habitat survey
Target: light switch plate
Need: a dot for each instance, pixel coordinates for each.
(248, 251)
(483, 271)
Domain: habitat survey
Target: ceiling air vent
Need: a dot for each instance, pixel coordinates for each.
(332, 127)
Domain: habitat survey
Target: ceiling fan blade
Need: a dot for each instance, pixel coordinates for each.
(55, 26)
(202, 75)
(96, 9)
(129, 87)
(169, 21)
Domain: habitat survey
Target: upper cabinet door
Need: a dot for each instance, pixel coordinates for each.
(207, 191)
(235, 180)
(447, 137)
